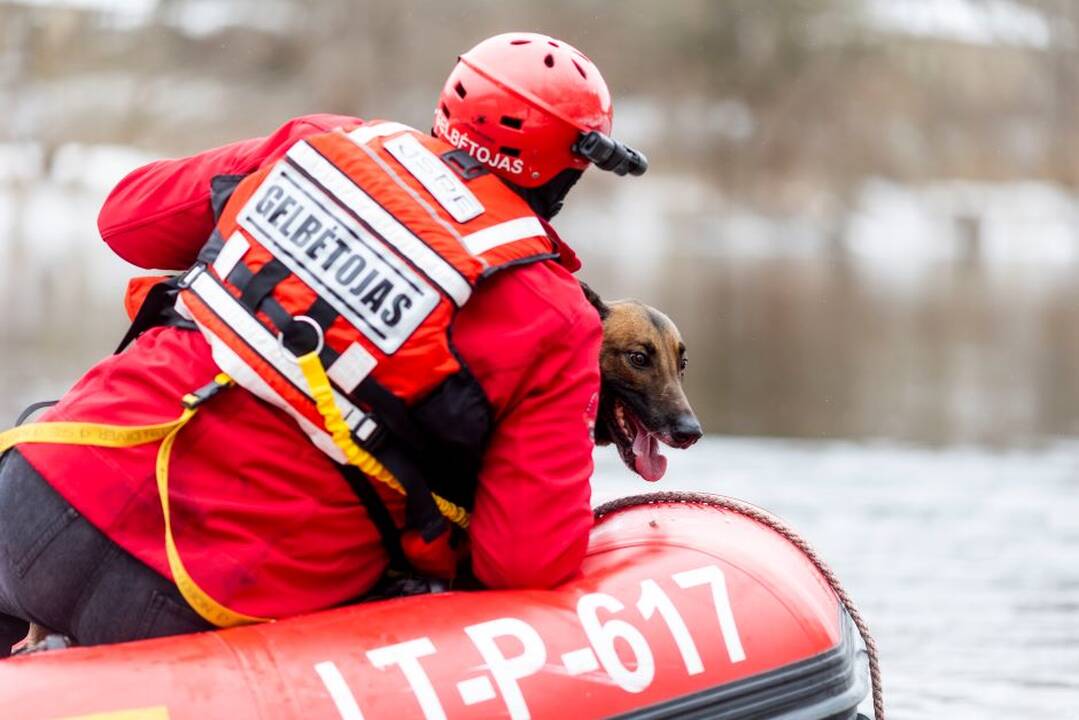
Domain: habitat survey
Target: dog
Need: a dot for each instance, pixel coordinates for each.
(641, 400)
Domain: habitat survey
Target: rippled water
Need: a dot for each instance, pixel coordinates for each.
(965, 562)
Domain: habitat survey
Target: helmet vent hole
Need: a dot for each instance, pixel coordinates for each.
(460, 90)
(512, 122)
(511, 151)
(549, 60)
(579, 69)
(519, 42)
(552, 43)
(445, 110)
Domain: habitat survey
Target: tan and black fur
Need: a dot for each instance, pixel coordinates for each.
(642, 365)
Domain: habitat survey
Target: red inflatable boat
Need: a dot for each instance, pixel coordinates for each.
(685, 608)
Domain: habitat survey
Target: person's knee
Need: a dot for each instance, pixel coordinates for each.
(47, 551)
(13, 626)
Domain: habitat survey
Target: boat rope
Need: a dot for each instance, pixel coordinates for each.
(791, 536)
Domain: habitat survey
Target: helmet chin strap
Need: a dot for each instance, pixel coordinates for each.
(546, 200)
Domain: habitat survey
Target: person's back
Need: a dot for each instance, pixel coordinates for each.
(260, 513)
(272, 510)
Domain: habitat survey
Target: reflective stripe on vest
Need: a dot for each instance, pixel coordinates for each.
(360, 246)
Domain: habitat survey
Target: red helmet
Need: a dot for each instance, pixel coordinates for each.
(519, 102)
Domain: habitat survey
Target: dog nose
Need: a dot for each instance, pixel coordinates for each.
(686, 431)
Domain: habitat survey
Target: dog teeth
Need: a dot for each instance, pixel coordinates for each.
(620, 417)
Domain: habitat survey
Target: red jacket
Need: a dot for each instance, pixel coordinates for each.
(263, 520)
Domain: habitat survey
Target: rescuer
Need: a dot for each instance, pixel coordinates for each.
(374, 358)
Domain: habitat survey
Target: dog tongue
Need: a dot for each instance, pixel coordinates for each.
(647, 460)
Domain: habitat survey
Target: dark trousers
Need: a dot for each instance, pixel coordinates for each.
(58, 570)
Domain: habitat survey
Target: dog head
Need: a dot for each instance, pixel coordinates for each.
(641, 399)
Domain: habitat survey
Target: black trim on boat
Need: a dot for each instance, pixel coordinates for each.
(828, 686)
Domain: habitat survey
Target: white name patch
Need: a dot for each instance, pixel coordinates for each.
(353, 270)
(436, 176)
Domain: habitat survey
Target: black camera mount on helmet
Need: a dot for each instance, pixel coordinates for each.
(606, 153)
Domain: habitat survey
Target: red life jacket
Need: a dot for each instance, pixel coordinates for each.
(362, 245)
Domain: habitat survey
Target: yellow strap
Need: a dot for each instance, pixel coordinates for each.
(118, 436)
(211, 610)
(354, 454)
(79, 433)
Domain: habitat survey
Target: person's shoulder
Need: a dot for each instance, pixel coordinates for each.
(325, 121)
(539, 291)
(523, 327)
(305, 126)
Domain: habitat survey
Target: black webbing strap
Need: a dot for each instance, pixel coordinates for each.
(212, 248)
(263, 282)
(324, 314)
(391, 412)
(240, 276)
(300, 337)
(464, 164)
(156, 310)
(221, 189)
(421, 512)
(33, 408)
(379, 515)
(321, 312)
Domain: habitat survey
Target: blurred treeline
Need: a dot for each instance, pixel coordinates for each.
(775, 100)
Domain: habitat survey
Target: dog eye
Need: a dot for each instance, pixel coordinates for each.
(638, 359)
(682, 364)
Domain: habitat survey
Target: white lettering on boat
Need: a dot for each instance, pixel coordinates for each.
(342, 697)
(603, 636)
(506, 671)
(512, 650)
(712, 575)
(407, 656)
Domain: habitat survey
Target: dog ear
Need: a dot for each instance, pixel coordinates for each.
(595, 300)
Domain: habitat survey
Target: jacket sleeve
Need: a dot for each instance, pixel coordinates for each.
(533, 514)
(159, 216)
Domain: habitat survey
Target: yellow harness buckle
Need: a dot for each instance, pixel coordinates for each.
(193, 399)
